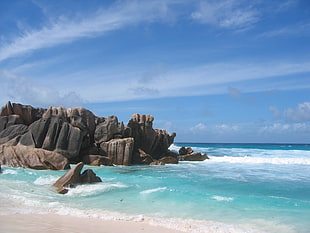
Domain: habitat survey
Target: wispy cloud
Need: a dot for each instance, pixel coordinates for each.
(301, 29)
(20, 89)
(284, 128)
(230, 14)
(64, 30)
(126, 83)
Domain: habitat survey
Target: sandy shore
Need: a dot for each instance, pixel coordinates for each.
(52, 223)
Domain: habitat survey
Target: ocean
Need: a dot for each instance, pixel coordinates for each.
(241, 188)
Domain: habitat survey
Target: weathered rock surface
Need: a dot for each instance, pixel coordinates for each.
(79, 135)
(24, 156)
(154, 142)
(54, 134)
(11, 132)
(197, 156)
(6, 121)
(169, 160)
(108, 129)
(27, 113)
(97, 160)
(119, 150)
(185, 151)
(74, 177)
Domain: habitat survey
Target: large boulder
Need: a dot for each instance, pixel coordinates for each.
(24, 156)
(27, 113)
(152, 141)
(119, 150)
(108, 129)
(54, 134)
(85, 121)
(185, 150)
(169, 160)
(196, 156)
(78, 117)
(74, 177)
(6, 121)
(12, 132)
(97, 160)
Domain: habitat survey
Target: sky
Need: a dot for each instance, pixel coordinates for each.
(209, 70)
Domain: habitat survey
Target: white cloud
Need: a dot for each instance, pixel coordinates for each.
(228, 14)
(67, 30)
(215, 129)
(299, 114)
(290, 30)
(225, 128)
(21, 89)
(280, 128)
(199, 128)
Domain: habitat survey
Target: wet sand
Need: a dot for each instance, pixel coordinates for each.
(52, 223)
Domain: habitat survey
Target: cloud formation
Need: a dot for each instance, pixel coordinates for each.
(299, 114)
(229, 14)
(21, 89)
(65, 30)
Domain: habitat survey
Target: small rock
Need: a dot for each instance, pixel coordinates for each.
(74, 177)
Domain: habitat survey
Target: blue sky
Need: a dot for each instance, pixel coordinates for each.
(211, 71)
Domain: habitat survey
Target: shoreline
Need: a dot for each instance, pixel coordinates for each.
(53, 223)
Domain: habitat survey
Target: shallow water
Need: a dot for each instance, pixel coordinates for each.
(242, 188)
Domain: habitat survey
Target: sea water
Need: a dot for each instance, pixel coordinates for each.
(241, 188)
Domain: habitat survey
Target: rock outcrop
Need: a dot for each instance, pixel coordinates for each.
(187, 154)
(54, 134)
(27, 113)
(185, 150)
(11, 132)
(108, 129)
(197, 156)
(119, 150)
(97, 160)
(24, 156)
(74, 177)
(78, 135)
(154, 142)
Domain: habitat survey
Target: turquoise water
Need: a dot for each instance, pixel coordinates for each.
(242, 188)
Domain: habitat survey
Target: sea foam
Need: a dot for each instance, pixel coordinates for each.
(94, 189)
(220, 198)
(148, 191)
(261, 160)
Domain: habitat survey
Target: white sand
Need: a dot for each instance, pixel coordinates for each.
(52, 223)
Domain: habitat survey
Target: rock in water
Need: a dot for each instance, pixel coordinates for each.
(154, 142)
(35, 158)
(197, 156)
(74, 177)
(185, 151)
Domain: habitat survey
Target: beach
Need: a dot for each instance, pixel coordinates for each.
(52, 223)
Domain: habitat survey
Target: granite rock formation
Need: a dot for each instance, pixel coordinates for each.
(78, 135)
(24, 156)
(154, 142)
(187, 154)
(74, 177)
